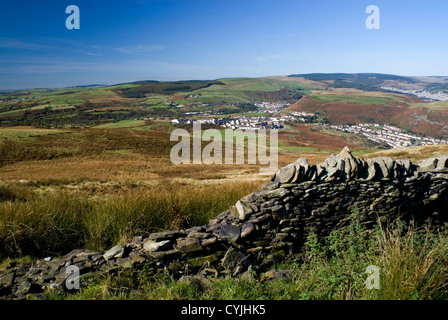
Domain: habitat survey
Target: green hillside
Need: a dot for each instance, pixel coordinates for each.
(361, 81)
(93, 105)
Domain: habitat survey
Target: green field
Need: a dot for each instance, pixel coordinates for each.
(92, 106)
(25, 134)
(122, 124)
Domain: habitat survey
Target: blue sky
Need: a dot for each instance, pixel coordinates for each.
(122, 41)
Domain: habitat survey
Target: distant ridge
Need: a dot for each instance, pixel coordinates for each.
(349, 76)
(361, 81)
(89, 86)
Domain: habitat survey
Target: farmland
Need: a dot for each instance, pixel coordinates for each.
(96, 105)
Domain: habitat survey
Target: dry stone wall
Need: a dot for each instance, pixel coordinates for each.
(264, 226)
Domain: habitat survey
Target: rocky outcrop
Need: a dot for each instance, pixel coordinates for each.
(265, 226)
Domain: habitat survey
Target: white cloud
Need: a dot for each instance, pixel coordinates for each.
(19, 44)
(140, 48)
(93, 54)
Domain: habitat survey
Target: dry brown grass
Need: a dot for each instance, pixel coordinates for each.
(126, 154)
(56, 216)
(413, 153)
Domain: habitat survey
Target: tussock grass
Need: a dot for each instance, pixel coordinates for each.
(59, 219)
(414, 265)
(412, 153)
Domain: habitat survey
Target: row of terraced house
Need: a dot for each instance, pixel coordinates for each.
(390, 135)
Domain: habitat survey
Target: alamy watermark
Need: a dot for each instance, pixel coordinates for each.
(373, 20)
(72, 280)
(212, 153)
(373, 280)
(73, 21)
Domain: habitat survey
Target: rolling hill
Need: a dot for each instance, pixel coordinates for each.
(347, 107)
(87, 106)
(341, 98)
(361, 81)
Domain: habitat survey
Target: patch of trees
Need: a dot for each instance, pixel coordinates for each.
(246, 107)
(154, 87)
(361, 81)
(47, 118)
(436, 87)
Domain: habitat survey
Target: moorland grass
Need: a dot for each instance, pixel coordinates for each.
(50, 221)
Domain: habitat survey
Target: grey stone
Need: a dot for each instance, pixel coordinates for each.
(351, 163)
(235, 261)
(285, 174)
(198, 235)
(243, 209)
(271, 186)
(137, 240)
(194, 229)
(125, 263)
(442, 163)
(433, 197)
(85, 255)
(27, 287)
(7, 279)
(405, 163)
(268, 204)
(383, 168)
(247, 229)
(276, 193)
(24, 287)
(233, 214)
(208, 242)
(137, 257)
(302, 170)
(151, 245)
(115, 252)
(71, 254)
(372, 171)
(97, 257)
(390, 164)
(250, 198)
(276, 208)
(320, 211)
(345, 153)
(82, 258)
(335, 168)
(167, 235)
(188, 245)
(321, 170)
(260, 218)
(230, 232)
(330, 162)
(427, 165)
(202, 261)
(160, 255)
(223, 215)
